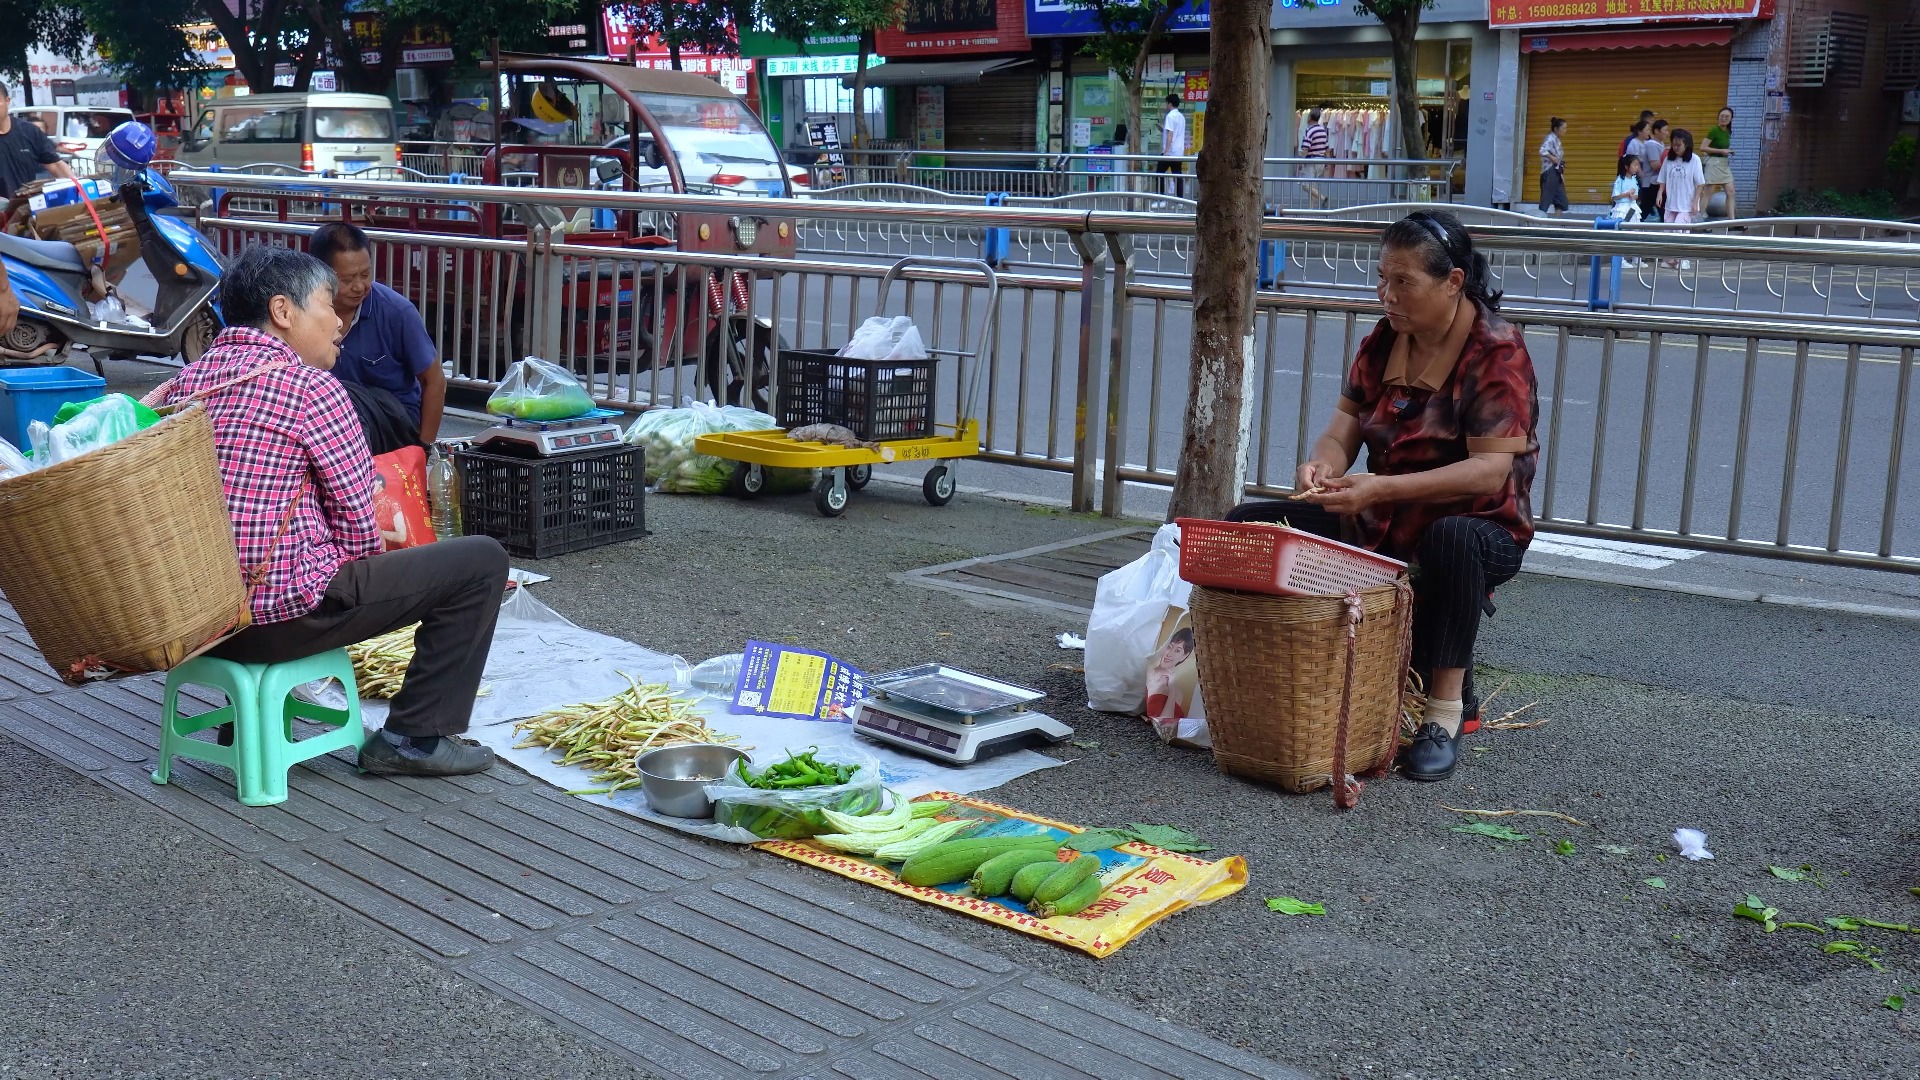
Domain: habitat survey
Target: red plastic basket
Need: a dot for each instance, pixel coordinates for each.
(1273, 559)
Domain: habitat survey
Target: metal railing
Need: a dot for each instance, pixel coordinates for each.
(1779, 434)
(1288, 183)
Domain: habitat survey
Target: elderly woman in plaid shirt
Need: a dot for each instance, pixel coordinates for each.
(299, 486)
(1443, 398)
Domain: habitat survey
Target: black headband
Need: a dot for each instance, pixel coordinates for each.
(1437, 231)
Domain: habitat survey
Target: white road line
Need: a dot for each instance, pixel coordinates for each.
(1617, 552)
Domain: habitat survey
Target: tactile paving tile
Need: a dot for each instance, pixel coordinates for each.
(698, 960)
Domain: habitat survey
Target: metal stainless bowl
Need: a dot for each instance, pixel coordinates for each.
(675, 778)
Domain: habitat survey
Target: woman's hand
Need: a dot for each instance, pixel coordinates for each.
(1312, 477)
(1351, 494)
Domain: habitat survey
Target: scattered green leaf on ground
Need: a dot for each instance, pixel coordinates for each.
(1863, 953)
(1097, 839)
(1482, 749)
(1756, 909)
(1287, 905)
(1896, 927)
(1563, 847)
(1167, 837)
(1087, 744)
(1660, 858)
(1844, 924)
(1785, 874)
(1616, 849)
(1896, 1002)
(1491, 830)
(1656, 883)
(1832, 947)
(1804, 926)
(1915, 890)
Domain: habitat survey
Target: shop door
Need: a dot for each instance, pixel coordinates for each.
(1600, 95)
(998, 113)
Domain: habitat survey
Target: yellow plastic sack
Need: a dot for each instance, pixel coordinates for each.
(1143, 884)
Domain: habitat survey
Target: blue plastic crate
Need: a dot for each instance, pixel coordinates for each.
(29, 394)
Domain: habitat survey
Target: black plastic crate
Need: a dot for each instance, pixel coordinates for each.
(875, 399)
(538, 507)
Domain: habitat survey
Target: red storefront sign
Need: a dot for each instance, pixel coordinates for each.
(626, 38)
(1578, 12)
(956, 27)
(1198, 83)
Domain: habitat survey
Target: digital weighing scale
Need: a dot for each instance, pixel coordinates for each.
(545, 438)
(949, 714)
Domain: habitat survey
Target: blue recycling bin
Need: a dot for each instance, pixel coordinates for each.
(29, 394)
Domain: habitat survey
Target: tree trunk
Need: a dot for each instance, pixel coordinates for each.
(860, 134)
(255, 65)
(1213, 449)
(666, 33)
(1403, 29)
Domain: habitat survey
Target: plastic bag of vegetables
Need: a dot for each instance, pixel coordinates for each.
(673, 465)
(537, 390)
(784, 796)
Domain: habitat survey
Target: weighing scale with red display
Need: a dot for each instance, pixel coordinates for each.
(949, 714)
(546, 438)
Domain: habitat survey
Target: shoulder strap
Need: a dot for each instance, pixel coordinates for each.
(168, 410)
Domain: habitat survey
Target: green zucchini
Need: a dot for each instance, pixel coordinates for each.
(1028, 878)
(996, 873)
(956, 860)
(1071, 904)
(1066, 879)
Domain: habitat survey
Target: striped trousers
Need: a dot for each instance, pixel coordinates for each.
(1461, 560)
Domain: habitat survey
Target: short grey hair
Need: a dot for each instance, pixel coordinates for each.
(249, 284)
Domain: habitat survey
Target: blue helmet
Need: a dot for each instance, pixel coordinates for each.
(130, 145)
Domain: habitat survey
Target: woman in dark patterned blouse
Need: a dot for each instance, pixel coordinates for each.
(1442, 396)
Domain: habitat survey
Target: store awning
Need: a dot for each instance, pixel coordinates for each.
(937, 73)
(1626, 39)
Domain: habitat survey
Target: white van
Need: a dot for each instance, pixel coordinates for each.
(317, 133)
(77, 131)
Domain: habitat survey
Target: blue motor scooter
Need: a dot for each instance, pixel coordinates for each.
(52, 283)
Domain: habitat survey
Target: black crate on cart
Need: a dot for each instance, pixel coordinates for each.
(538, 507)
(875, 399)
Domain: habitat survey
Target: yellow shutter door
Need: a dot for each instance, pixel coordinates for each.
(1600, 94)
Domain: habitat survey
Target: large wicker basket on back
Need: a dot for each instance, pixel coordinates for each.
(1274, 670)
(123, 559)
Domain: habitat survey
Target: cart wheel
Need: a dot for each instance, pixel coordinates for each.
(830, 495)
(748, 480)
(938, 486)
(859, 476)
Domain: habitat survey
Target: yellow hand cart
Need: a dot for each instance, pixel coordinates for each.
(846, 469)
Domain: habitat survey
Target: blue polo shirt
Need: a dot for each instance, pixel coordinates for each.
(387, 348)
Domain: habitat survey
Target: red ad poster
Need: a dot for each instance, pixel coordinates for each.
(1589, 12)
(946, 27)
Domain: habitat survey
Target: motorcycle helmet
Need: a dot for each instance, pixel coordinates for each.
(130, 146)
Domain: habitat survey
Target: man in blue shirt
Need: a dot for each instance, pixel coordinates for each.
(386, 359)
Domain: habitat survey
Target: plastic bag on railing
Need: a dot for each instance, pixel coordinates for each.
(884, 338)
(1124, 631)
(100, 422)
(793, 813)
(674, 466)
(537, 390)
(12, 462)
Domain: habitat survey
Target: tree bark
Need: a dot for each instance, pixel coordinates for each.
(254, 64)
(1404, 29)
(1213, 450)
(860, 90)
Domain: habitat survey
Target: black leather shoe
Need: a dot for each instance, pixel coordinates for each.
(1431, 755)
(449, 757)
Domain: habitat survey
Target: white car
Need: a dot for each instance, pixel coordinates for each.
(77, 131)
(713, 154)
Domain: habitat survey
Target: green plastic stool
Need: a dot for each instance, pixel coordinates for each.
(261, 708)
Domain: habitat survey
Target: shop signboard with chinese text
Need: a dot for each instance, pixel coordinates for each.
(1515, 13)
(957, 27)
(1306, 14)
(625, 38)
(1061, 18)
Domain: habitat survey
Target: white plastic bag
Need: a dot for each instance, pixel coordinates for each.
(673, 465)
(101, 423)
(883, 338)
(1129, 605)
(12, 462)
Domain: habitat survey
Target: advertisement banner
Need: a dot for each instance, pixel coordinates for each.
(1059, 18)
(957, 27)
(1515, 13)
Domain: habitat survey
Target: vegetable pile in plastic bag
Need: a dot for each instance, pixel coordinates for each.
(674, 466)
(789, 813)
(537, 390)
(886, 338)
(87, 425)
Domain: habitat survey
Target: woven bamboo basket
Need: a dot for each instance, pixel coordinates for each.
(1273, 671)
(122, 559)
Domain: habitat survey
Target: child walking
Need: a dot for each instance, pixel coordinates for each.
(1626, 194)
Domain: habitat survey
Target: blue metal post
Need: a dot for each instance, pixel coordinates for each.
(995, 244)
(1594, 301)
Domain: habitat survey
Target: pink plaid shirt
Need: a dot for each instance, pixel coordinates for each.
(271, 432)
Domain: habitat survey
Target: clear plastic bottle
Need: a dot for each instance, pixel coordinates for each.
(440, 491)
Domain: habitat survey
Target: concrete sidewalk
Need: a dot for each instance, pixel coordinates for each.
(1787, 735)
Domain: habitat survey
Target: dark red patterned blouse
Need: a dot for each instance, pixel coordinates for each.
(1486, 401)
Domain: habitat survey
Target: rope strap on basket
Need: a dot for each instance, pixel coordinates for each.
(1346, 788)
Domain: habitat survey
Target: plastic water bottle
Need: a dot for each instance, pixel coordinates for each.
(440, 490)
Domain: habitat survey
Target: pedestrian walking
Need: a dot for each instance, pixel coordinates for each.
(1653, 154)
(1173, 145)
(1637, 131)
(1717, 161)
(1553, 170)
(1317, 144)
(1680, 182)
(1626, 190)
